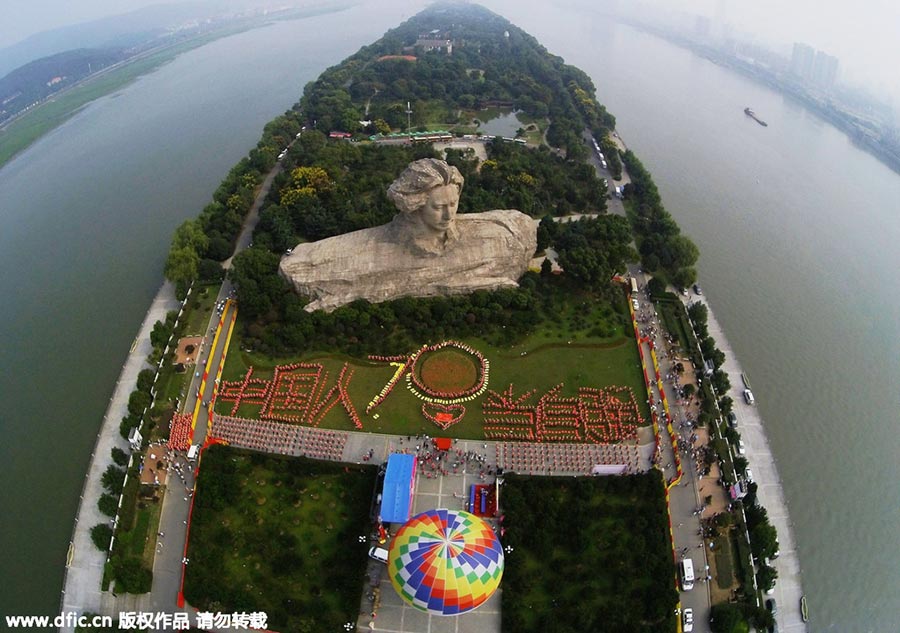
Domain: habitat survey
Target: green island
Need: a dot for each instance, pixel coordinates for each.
(562, 350)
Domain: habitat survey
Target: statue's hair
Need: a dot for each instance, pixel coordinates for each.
(411, 189)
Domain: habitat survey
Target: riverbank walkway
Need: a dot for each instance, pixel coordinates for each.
(84, 562)
(788, 590)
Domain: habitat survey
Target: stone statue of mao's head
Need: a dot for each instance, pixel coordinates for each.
(427, 195)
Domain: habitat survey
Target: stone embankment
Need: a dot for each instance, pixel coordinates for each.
(84, 562)
(788, 590)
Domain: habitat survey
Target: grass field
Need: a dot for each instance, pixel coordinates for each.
(447, 370)
(724, 564)
(589, 554)
(200, 308)
(541, 363)
(279, 535)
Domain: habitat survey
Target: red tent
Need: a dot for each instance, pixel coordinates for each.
(443, 443)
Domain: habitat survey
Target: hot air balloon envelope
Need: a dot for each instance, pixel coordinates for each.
(445, 562)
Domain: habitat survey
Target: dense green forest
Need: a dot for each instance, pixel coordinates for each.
(280, 535)
(492, 61)
(589, 554)
(331, 187)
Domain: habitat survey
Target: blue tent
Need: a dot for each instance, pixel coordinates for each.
(399, 480)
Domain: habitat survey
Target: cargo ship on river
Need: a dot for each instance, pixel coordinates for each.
(750, 113)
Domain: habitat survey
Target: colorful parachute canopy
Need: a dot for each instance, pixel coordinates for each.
(445, 562)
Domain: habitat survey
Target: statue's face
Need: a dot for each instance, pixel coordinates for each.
(440, 210)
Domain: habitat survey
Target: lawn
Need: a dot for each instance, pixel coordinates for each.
(200, 307)
(724, 564)
(675, 318)
(589, 554)
(540, 363)
(279, 535)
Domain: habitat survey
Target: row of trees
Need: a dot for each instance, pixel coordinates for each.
(763, 535)
(698, 313)
(664, 250)
(127, 568)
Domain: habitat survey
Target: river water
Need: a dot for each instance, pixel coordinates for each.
(798, 232)
(796, 227)
(87, 215)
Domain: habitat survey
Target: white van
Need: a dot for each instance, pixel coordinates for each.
(687, 574)
(748, 397)
(193, 451)
(378, 553)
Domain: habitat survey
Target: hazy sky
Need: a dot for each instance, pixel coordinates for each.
(864, 34)
(22, 18)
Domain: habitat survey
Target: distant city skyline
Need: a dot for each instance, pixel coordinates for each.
(863, 37)
(815, 67)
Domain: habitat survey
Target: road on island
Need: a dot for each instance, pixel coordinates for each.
(684, 498)
(171, 547)
(613, 204)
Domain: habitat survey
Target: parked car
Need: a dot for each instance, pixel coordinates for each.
(687, 618)
(772, 606)
(378, 553)
(748, 397)
(748, 475)
(742, 450)
(732, 419)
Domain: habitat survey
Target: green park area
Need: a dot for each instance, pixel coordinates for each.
(588, 554)
(538, 364)
(279, 535)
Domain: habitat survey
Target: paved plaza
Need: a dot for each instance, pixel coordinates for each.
(395, 615)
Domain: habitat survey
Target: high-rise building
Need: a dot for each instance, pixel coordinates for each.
(802, 61)
(825, 68)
